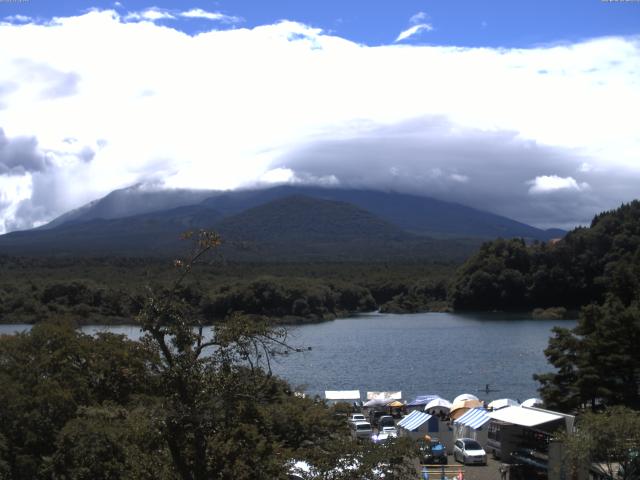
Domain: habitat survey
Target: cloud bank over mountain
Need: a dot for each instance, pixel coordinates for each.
(546, 135)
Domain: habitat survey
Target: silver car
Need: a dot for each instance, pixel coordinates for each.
(361, 429)
(468, 451)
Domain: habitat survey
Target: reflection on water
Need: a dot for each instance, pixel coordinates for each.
(426, 353)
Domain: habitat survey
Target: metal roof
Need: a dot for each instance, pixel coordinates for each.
(525, 417)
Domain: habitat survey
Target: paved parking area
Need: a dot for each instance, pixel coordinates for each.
(476, 472)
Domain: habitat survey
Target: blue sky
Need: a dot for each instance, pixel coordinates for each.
(525, 109)
(497, 23)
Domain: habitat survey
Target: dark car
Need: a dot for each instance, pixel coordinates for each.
(433, 452)
(385, 421)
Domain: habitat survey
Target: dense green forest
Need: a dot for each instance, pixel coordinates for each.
(597, 363)
(580, 269)
(111, 289)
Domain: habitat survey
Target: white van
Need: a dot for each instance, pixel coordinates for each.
(361, 430)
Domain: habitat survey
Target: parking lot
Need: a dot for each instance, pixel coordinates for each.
(476, 472)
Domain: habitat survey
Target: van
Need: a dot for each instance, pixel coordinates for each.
(386, 421)
(361, 430)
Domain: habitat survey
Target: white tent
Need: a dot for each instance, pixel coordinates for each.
(465, 396)
(532, 402)
(438, 404)
(342, 395)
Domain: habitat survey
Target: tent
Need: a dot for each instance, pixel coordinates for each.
(342, 395)
(465, 396)
(470, 425)
(532, 402)
(438, 405)
(416, 424)
(422, 400)
(460, 407)
(395, 404)
(502, 403)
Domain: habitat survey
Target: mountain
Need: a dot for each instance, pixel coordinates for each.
(294, 228)
(281, 223)
(135, 200)
(416, 214)
(155, 233)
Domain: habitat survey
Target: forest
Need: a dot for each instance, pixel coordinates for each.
(110, 290)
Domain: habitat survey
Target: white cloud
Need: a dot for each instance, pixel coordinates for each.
(459, 178)
(419, 17)
(221, 109)
(18, 19)
(554, 183)
(150, 14)
(413, 31)
(214, 16)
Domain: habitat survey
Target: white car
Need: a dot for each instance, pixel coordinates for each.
(391, 431)
(468, 451)
(357, 417)
(361, 430)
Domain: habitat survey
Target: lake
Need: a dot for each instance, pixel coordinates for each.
(427, 353)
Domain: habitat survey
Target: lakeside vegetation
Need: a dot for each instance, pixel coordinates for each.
(110, 290)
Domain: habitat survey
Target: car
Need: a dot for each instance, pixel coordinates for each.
(357, 417)
(468, 451)
(391, 431)
(434, 452)
(361, 430)
(385, 421)
(374, 416)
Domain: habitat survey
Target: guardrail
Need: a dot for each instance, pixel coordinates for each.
(442, 472)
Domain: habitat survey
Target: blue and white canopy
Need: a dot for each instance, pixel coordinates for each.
(414, 420)
(422, 400)
(474, 418)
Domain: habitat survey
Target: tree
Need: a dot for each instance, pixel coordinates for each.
(223, 413)
(610, 439)
(598, 362)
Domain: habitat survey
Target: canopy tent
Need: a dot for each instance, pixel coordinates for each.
(532, 402)
(474, 418)
(525, 417)
(460, 407)
(465, 396)
(438, 404)
(502, 403)
(395, 404)
(342, 395)
(422, 400)
(414, 420)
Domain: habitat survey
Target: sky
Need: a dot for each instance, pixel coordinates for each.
(525, 109)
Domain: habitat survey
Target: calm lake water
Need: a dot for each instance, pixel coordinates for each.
(428, 353)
